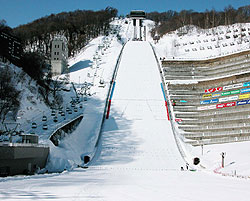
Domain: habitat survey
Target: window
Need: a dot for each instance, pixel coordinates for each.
(55, 53)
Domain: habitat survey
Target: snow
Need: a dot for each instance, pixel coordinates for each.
(137, 157)
(190, 46)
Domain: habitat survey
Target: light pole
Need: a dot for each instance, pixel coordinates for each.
(223, 159)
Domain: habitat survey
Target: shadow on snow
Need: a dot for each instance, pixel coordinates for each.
(80, 65)
(117, 146)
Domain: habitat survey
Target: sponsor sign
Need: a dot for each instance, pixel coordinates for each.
(228, 87)
(208, 107)
(238, 85)
(231, 98)
(228, 98)
(233, 86)
(216, 95)
(209, 101)
(213, 90)
(222, 105)
(243, 102)
(202, 108)
(178, 120)
(204, 102)
(207, 96)
(245, 90)
(214, 100)
(245, 84)
(235, 92)
(223, 99)
(226, 93)
(244, 96)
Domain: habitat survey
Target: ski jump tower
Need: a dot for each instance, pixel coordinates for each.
(137, 16)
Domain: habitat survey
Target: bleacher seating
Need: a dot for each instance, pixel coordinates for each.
(211, 98)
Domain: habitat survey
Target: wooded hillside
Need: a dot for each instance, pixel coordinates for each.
(78, 27)
(172, 20)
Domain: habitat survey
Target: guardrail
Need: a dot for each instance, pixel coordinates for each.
(10, 144)
(177, 137)
(109, 91)
(95, 152)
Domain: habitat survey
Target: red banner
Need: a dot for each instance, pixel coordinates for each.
(213, 90)
(166, 104)
(222, 105)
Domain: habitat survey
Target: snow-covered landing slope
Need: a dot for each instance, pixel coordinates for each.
(137, 134)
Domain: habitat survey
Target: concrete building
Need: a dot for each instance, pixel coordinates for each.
(11, 48)
(59, 55)
(22, 158)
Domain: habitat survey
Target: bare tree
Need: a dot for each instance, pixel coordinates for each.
(9, 96)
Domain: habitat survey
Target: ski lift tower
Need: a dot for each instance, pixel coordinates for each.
(137, 16)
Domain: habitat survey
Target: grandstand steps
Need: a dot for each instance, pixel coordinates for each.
(201, 121)
(214, 128)
(221, 140)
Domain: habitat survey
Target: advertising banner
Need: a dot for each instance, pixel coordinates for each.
(222, 105)
(208, 107)
(244, 96)
(245, 90)
(216, 95)
(231, 98)
(235, 92)
(245, 84)
(204, 102)
(227, 87)
(202, 108)
(243, 102)
(223, 99)
(207, 96)
(213, 90)
(238, 85)
(226, 93)
(209, 101)
(214, 100)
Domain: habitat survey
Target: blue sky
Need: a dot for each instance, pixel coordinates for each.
(17, 12)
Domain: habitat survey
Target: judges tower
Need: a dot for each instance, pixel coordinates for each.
(137, 16)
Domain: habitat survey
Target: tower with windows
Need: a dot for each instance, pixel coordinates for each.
(137, 16)
(59, 55)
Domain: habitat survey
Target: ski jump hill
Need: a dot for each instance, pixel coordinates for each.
(138, 158)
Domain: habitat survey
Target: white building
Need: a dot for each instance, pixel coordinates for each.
(59, 55)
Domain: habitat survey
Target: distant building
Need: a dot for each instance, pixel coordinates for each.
(10, 47)
(137, 16)
(59, 55)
